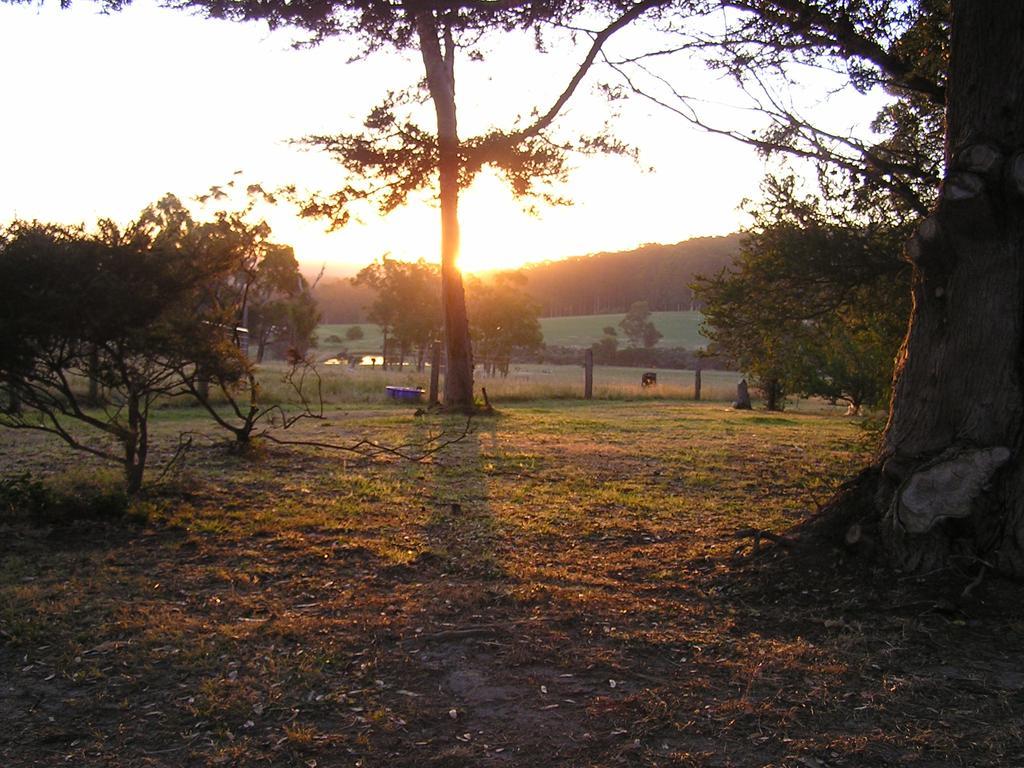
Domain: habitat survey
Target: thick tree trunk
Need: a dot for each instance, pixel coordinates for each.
(440, 70)
(952, 468)
(773, 395)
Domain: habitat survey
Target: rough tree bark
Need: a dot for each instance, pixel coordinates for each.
(439, 65)
(952, 464)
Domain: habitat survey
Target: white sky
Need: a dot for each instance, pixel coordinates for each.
(103, 114)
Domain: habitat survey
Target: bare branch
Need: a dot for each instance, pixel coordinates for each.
(600, 38)
(413, 452)
(819, 145)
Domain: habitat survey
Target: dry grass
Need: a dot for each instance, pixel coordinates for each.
(559, 589)
(525, 382)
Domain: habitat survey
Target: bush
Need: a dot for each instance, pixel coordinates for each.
(22, 496)
(98, 496)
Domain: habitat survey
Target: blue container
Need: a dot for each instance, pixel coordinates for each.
(405, 394)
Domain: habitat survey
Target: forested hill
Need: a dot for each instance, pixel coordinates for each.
(583, 285)
(341, 302)
(610, 282)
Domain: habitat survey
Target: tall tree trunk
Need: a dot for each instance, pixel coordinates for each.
(261, 347)
(952, 468)
(440, 70)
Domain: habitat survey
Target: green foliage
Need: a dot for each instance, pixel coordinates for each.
(98, 326)
(22, 496)
(65, 500)
(638, 327)
(355, 333)
(605, 349)
(503, 320)
(277, 303)
(407, 304)
(816, 304)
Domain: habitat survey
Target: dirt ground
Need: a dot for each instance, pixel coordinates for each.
(561, 588)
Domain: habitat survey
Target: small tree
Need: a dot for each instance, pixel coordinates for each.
(272, 298)
(355, 333)
(638, 327)
(264, 291)
(605, 349)
(127, 310)
(505, 320)
(816, 303)
(406, 305)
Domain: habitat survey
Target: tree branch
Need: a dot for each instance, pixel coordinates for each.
(369, 449)
(798, 17)
(600, 38)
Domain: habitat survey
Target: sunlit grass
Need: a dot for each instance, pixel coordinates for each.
(340, 384)
(291, 605)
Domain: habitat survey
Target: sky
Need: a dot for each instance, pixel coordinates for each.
(107, 113)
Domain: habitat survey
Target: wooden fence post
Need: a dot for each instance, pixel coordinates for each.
(696, 383)
(435, 371)
(588, 375)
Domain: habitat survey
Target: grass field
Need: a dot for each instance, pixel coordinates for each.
(679, 329)
(524, 382)
(562, 587)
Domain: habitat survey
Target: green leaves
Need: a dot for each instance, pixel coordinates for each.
(816, 303)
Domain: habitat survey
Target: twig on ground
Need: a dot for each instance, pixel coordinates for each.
(184, 444)
(757, 534)
(458, 634)
(414, 452)
(975, 582)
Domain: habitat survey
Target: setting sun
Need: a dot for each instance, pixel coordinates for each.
(92, 172)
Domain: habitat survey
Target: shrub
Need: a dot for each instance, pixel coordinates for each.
(73, 497)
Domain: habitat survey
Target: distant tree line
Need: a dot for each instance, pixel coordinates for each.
(340, 300)
(405, 303)
(585, 285)
(611, 282)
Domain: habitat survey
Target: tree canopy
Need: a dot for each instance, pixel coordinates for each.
(127, 309)
(816, 304)
(406, 306)
(504, 320)
(638, 326)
